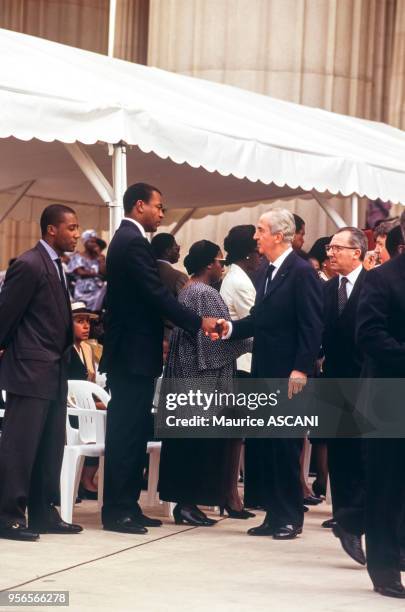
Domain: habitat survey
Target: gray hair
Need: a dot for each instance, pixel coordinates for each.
(280, 220)
(357, 239)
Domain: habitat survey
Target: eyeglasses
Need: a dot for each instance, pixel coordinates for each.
(220, 261)
(337, 248)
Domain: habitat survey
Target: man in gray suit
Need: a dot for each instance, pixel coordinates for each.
(35, 342)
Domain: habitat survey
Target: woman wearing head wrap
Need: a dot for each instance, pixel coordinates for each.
(195, 471)
(88, 271)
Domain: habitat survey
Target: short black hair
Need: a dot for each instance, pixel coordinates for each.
(239, 243)
(317, 251)
(160, 243)
(201, 255)
(299, 223)
(394, 239)
(138, 191)
(53, 215)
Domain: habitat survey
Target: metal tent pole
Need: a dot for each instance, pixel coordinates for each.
(119, 172)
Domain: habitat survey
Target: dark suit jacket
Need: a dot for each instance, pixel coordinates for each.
(137, 302)
(173, 279)
(286, 325)
(342, 358)
(35, 328)
(381, 320)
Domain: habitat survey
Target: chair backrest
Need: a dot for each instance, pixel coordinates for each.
(80, 396)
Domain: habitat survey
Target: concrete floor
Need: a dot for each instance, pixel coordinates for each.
(192, 569)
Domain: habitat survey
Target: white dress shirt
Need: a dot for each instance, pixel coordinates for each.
(238, 293)
(138, 225)
(54, 256)
(351, 279)
(277, 265)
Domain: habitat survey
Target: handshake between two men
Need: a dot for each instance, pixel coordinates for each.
(217, 329)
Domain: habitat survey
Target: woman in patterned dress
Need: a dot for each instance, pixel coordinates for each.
(194, 471)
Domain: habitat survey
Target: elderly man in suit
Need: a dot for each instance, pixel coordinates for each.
(36, 337)
(343, 360)
(286, 326)
(137, 303)
(381, 337)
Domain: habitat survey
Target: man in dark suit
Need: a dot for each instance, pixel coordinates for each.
(286, 325)
(343, 360)
(137, 303)
(381, 337)
(167, 253)
(36, 337)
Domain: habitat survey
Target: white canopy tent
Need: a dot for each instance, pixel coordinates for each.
(203, 143)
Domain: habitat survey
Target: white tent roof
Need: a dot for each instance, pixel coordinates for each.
(51, 92)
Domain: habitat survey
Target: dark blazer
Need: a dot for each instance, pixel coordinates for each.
(343, 359)
(173, 279)
(137, 302)
(286, 325)
(35, 329)
(381, 320)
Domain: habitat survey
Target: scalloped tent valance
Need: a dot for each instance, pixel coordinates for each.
(51, 92)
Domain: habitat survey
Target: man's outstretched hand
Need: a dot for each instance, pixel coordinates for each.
(214, 328)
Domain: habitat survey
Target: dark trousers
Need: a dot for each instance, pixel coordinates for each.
(385, 503)
(280, 489)
(346, 472)
(31, 454)
(129, 423)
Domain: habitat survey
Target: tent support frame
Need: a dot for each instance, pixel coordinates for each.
(17, 197)
(110, 194)
(329, 210)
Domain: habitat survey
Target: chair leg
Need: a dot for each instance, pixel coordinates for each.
(69, 481)
(153, 477)
(100, 483)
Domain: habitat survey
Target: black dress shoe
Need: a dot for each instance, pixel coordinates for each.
(147, 521)
(319, 488)
(125, 525)
(388, 583)
(187, 515)
(203, 517)
(236, 514)
(351, 544)
(265, 529)
(86, 494)
(329, 524)
(19, 532)
(311, 500)
(59, 527)
(287, 532)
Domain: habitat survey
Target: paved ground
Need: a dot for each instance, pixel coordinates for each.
(192, 569)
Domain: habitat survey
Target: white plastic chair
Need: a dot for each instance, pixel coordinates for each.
(89, 441)
(86, 441)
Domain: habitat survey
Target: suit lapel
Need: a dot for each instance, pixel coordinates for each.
(352, 300)
(55, 284)
(281, 275)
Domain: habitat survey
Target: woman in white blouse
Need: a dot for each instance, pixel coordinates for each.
(238, 293)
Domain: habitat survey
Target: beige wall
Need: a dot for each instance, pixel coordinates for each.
(333, 54)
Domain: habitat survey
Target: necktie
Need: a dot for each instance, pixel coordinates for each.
(62, 279)
(269, 274)
(342, 294)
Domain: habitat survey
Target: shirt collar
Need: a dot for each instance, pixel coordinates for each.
(51, 252)
(166, 262)
(138, 225)
(280, 259)
(353, 276)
